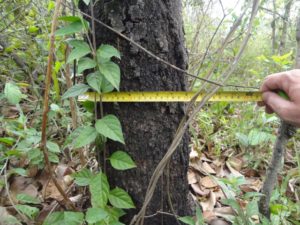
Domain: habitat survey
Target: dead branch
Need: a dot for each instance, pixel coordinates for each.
(46, 107)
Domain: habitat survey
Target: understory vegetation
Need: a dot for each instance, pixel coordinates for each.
(48, 152)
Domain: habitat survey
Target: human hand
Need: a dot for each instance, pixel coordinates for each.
(289, 82)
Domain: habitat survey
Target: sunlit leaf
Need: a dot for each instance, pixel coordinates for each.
(94, 215)
(12, 93)
(83, 177)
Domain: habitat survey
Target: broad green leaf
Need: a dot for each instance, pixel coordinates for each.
(12, 93)
(256, 137)
(71, 28)
(187, 220)
(24, 198)
(105, 52)
(7, 140)
(75, 90)
(94, 215)
(86, 136)
(30, 212)
(53, 157)
(53, 147)
(55, 218)
(51, 5)
(70, 18)
(121, 161)
(278, 208)
(111, 72)
(85, 63)
(200, 219)
(64, 218)
(80, 49)
(252, 208)
(73, 218)
(83, 177)
(20, 171)
(11, 220)
(33, 29)
(110, 127)
(99, 189)
(95, 80)
(106, 86)
(120, 199)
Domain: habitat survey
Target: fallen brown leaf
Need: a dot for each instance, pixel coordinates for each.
(208, 182)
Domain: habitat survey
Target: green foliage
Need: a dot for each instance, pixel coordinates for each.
(110, 127)
(12, 93)
(86, 136)
(99, 189)
(64, 218)
(29, 211)
(75, 90)
(121, 161)
(120, 199)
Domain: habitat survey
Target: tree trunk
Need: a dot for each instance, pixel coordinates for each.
(148, 127)
(287, 11)
(273, 25)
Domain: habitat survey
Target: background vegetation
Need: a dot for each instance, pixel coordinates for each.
(230, 144)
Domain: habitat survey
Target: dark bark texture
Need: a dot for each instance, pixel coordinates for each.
(148, 127)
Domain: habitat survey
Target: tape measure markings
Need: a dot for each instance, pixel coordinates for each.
(171, 96)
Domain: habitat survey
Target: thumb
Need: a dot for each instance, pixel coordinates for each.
(279, 105)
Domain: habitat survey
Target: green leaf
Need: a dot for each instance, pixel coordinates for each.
(85, 63)
(121, 161)
(70, 18)
(95, 80)
(24, 198)
(73, 218)
(99, 189)
(30, 212)
(71, 28)
(12, 93)
(105, 52)
(106, 86)
(94, 215)
(111, 72)
(54, 219)
(52, 147)
(51, 5)
(20, 171)
(80, 49)
(86, 136)
(200, 219)
(187, 220)
(110, 127)
(11, 220)
(64, 218)
(75, 90)
(83, 177)
(120, 199)
(7, 140)
(53, 157)
(278, 208)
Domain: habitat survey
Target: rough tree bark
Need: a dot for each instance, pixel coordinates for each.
(149, 127)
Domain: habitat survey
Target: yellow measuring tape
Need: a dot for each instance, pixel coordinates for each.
(171, 96)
